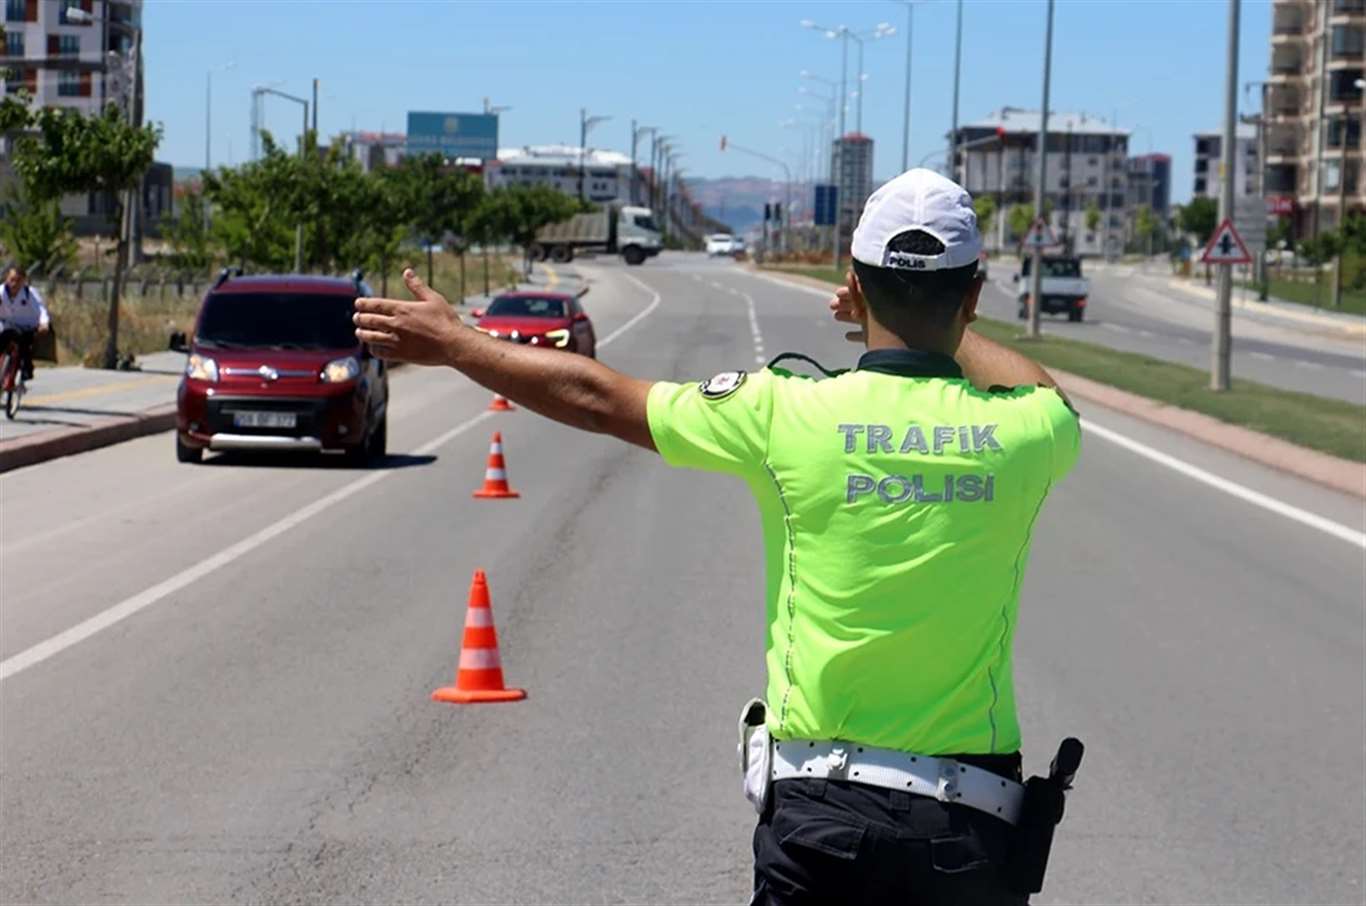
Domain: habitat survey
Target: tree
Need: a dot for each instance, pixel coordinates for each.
(188, 233)
(985, 207)
(256, 207)
(1092, 217)
(1144, 225)
(520, 211)
(1019, 219)
(437, 198)
(1200, 217)
(34, 233)
(100, 153)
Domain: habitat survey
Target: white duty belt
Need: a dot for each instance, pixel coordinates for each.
(922, 775)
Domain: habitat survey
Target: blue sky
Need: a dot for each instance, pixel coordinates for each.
(697, 69)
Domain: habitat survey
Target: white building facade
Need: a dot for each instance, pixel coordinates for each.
(606, 175)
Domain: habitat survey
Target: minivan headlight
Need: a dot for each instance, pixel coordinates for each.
(202, 368)
(339, 371)
(559, 337)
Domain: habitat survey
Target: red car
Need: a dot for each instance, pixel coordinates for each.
(535, 318)
(274, 364)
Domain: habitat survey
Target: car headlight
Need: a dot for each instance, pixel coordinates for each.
(339, 371)
(202, 368)
(559, 337)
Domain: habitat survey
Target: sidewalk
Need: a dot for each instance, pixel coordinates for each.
(72, 409)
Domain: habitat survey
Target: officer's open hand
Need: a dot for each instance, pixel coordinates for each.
(420, 331)
(848, 307)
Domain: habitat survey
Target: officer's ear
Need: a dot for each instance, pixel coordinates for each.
(858, 305)
(970, 299)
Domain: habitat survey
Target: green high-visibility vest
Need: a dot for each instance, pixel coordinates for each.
(897, 504)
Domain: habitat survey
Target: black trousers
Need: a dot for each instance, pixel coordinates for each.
(25, 340)
(830, 841)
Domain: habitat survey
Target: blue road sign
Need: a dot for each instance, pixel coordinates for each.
(826, 203)
(454, 134)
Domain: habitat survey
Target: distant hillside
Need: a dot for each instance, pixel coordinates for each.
(739, 201)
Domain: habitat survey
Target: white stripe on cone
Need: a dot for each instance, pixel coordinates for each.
(495, 448)
(478, 617)
(496, 474)
(479, 659)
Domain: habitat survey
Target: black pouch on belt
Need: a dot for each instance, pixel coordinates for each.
(1040, 813)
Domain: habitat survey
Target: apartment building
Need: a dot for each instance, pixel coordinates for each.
(59, 51)
(1313, 106)
(851, 171)
(1087, 166)
(1209, 159)
(80, 54)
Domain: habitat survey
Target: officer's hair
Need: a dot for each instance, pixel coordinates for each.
(910, 302)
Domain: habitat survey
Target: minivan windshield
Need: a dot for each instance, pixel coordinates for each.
(526, 307)
(277, 321)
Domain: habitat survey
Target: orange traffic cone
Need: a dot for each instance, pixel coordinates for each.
(496, 474)
(500, 404)
(479, 677)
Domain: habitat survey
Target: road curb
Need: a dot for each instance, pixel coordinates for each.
(1334, 472)
(1336, 325)
(46, 445)
(1322, 468)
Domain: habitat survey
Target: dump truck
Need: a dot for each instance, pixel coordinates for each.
(615, 229)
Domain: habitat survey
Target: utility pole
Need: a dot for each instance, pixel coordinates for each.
(957, 71)
(906, 106)
(583, 140)
(1036, 264)
(838, 152)
(1220, 348)
(315, 111)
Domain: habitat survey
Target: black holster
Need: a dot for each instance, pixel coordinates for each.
(1041, 812)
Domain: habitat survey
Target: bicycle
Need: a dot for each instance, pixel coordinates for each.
(12, 383)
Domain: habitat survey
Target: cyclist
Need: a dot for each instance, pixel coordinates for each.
(22, 315)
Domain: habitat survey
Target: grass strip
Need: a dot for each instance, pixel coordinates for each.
(1332, 426)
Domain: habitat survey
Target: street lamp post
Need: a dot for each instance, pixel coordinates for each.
(957, 70)
(1036, 263)
(906, 104)
(787, 193)
(636, 132)
(586, 123)
(303, 141)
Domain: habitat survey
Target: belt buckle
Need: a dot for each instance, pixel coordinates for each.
(948, 781)
(837, 764)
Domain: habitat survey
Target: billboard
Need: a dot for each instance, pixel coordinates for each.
(453, 134)
(825, 204)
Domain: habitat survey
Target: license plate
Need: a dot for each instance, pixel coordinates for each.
(264, 419)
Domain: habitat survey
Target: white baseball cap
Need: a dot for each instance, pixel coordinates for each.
(918, 199)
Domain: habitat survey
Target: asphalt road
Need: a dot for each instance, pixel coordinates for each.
(1135, 311)
(214, 679)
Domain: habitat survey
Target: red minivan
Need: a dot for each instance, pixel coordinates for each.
(274, 364)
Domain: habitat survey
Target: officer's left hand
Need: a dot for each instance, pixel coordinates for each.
(848, 307)
(420, 331)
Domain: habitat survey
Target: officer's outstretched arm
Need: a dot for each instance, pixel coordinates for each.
(988, 364)
(572, 389)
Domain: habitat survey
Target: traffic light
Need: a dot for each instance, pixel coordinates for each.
(768, 212)
(723, 143)
(778, 211)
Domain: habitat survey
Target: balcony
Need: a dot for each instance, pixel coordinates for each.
(1283, 101)
(1287, 25)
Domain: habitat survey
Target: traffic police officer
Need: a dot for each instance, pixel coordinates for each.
(897, 503)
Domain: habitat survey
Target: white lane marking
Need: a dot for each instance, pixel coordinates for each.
(1312, 366)
(788, 284)
(1118, 328)
(1263, 356)
(1256, 498)
(754, 328)
(83, 630)
(1185, 341)
(1147, 334)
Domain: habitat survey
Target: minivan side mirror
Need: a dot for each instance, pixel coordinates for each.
(580, 316)
(1014, 278)
(476, 312)
(178, 342)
